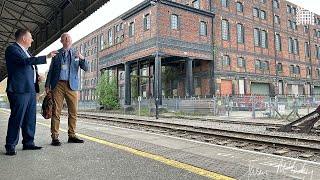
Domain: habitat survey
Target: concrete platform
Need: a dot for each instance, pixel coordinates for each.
(118, 153)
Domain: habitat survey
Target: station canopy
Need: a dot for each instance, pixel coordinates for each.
(46, 19)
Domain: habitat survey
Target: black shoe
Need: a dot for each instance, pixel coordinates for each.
(31, 147)
(11, 152)
(75, 140)
(55, 142)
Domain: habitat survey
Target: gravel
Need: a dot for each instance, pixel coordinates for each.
(226, 126)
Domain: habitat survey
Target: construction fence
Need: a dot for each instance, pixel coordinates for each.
(251, 106)
(283, 107)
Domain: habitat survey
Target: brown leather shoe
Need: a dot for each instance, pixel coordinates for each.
(75, 140)
(55, 142)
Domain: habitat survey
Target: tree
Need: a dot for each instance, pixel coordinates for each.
(134, 87)
(107, 91)
(169, 74)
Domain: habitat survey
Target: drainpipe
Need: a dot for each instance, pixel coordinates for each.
(212, 75)
(275, 58)
(310, 60)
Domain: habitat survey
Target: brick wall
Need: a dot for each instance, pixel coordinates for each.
(187, 42)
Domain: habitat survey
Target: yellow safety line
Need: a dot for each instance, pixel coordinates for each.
(170, 162)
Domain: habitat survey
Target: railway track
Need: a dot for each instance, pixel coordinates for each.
(271, 125)
(285, 145)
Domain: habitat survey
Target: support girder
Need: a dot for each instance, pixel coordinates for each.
(46, 23)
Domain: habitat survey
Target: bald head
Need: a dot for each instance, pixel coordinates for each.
(66, 41)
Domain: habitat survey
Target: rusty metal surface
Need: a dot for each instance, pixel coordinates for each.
(303, 124)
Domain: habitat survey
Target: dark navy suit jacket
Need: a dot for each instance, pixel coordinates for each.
(20, 70)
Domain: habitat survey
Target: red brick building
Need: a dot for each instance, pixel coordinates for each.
(88, 46)
(205, 48)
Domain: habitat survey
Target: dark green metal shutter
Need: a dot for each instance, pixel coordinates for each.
(316, 90)
(260, 88)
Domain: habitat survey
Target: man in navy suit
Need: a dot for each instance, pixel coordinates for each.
(22, 85)
(63, 81)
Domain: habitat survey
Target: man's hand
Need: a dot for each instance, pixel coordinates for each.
(52, 54)
(77, 54)
(40, 78)
(47, 90)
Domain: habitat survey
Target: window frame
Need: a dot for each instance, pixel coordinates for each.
(225, 32)
(131, 29)
(276, 19)
(276, 4)
(110, 37)
(264, 38)
(239, 6)
(290, 45)
(279, 67)
(225, 3)
(240, 62)
(196, 4)
(257, 64)
(203, 28)
(226, 61)
(295, 46)
(263, 14)
(291, 69)
(174, 24)
(306, 49)
(255, 12)
(278, 45)
(266, 66)
(240, 35)
(147, 22)
(297, 70)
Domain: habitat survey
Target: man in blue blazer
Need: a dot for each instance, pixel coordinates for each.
(63, 82)
(22, 85)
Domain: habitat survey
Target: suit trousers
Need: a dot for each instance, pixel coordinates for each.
(23, 115)
(60, 92)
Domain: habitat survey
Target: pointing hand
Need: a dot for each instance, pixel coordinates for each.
(52, 54)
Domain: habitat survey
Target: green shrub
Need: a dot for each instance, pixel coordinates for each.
(107, 92)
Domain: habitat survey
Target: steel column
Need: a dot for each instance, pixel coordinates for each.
(127, 83)
(189, 78)
(157, 79)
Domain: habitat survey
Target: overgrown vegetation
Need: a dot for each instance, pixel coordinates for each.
(134, 87)
(143, 112)
(168, 75)
(107, 92)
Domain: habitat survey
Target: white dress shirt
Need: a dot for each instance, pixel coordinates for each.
(34, 68)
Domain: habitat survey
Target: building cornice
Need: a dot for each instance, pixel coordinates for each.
(187, 8)
(136, 9)
(148, 3)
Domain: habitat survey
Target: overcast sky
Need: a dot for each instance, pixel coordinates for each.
(311, 5)
(102, 16)
(115, 8)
